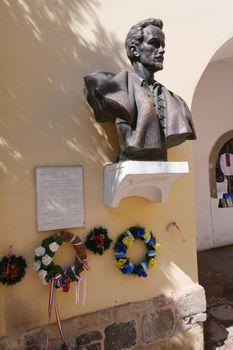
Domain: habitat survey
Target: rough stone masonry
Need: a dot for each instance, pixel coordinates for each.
(162, 323)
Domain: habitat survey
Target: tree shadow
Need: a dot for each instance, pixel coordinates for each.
(48, 49)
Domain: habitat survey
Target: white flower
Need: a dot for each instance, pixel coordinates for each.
(46, 259)
(40, 251)
(53, 247)
(43, 282)
(36, 265)
(42, 274)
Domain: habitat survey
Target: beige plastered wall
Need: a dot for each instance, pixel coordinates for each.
(46, 49)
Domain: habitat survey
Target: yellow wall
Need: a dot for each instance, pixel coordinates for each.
(47, 47)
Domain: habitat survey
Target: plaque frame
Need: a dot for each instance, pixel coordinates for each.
(49, 207)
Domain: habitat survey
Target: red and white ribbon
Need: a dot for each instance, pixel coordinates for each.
(77, 289)
(83, 263)
(85, 292)
(173, 223)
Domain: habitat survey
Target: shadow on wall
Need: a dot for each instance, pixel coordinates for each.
(48, 49)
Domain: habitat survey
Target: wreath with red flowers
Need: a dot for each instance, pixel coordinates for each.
(98, 241)
(12, 269)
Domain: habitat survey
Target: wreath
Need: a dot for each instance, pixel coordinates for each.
(98, 241)
(125, 240)
(49, 271)
(12, 269)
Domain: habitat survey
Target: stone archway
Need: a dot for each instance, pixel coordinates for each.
(213, 160)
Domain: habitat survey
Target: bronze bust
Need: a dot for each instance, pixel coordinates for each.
(149, 118)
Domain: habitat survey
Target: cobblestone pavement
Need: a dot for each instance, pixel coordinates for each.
(215, 269)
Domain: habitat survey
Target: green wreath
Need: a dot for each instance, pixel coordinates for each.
(98, 241)
(125, 240)
(49, 271)
(12, 269)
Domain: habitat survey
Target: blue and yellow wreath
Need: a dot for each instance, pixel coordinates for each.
(125, 240)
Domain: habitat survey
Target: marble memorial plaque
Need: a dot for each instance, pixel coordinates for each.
(59, 196)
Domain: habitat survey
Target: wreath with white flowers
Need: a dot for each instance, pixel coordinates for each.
(125, 240)
(48, 270)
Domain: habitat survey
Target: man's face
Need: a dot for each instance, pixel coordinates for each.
(152, 50)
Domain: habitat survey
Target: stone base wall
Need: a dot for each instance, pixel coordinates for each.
(173, 322)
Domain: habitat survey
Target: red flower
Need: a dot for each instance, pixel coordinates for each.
(10, 271)
(66, 288)
(99, 240)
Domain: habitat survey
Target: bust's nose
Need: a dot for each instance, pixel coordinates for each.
(161, 50)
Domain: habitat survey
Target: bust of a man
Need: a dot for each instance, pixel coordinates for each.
(149, 118)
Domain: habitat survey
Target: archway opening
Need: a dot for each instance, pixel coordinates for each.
(212, 114)
(219, 181)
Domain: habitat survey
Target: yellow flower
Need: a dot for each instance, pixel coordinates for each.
(157, 246)
(151, 262)
(147, 234)
(127, 241)
(120, 263)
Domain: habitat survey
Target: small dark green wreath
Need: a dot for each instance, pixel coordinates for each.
(12, 269)
(97, 240)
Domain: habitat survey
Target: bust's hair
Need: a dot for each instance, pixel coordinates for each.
(135, 34)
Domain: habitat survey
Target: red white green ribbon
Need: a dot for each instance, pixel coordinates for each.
(52, 301)
(51, 298)
(58, 321)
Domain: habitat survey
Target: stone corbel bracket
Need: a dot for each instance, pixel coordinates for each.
(151, 180)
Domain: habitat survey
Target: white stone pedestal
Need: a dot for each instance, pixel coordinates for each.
(151, 180)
